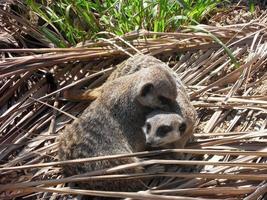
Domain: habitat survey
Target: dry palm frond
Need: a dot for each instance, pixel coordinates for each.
(228, 155)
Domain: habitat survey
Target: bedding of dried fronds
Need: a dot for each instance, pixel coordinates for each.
(230, 96)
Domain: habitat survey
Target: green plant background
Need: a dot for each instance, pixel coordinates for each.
(67, 22)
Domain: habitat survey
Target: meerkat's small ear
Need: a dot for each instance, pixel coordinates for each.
(146, 89)
(146, 95)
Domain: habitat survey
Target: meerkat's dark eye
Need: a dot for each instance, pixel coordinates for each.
(164, 101)
(147, 89)
(163, 130)
(148, 127)
(182, 127)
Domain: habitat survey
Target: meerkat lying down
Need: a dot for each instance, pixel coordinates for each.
(112, 124)
(182, 106)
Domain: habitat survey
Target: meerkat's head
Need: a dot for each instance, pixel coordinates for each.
(156, 87)
(163, 128)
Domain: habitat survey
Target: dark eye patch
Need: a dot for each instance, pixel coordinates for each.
(164, 101)
(146, 89)
(182, 127)
(148, 127)
(163, 130)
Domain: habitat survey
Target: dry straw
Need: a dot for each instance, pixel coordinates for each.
(228, 156)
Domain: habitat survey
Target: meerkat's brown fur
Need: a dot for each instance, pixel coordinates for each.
(127, 67)
(182, 106)
(79, 95)
(112, 123)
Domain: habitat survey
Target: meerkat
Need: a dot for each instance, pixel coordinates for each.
(162, 129)
(127, 67)
(112, 123)
(182, 106)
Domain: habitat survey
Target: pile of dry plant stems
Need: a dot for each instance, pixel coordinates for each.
(230, 96)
